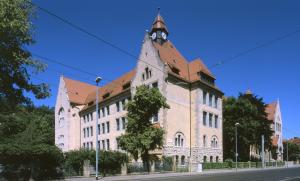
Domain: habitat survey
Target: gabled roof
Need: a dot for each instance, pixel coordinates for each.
(77, 91)
(111, 89)
(173, 58)
(270, 110)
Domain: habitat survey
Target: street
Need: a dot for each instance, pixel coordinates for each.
(290, 174)
(277, 174)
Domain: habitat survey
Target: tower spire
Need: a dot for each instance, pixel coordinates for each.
(159, 29)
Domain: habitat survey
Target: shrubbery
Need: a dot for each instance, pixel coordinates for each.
(110, 162)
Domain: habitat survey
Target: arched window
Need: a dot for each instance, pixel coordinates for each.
(182, 160)
(147, 74)
(179, 139)
(214, 142)
(217, 159)
(204, 140)
(211, 158)
(176, 159)
(61, 117)
(205, 159)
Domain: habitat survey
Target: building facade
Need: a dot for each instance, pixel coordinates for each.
(193, 124)
(273, 115)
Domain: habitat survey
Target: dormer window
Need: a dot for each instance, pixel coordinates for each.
(175, 70)
(105, 95)
(206, 78)
(126, 85)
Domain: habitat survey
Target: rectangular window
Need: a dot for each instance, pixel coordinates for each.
(123, 104)
(84, 134)
(91, 145)
(123, 123)
(91, 116)
(216, 102)
(103, 112)
(87, 132)
(84, 119)
(103, 128)
(210, 120)
(154, 85)
(99, 131)
(204, 118)
(107, 110)
(107, 127)
(88, 117)
(107, 144)
(204, 97)
(83, 145)
(210, 99)
(216, 121)
(91, 128)
(117, 141)
(118, 106)
(98, 145)
(103, 144)
(155, 118)
(118, 124)
(99, 114)
(87, 145)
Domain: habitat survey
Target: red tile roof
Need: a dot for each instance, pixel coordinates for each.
(295, 140)
(83, 93)
(270, 110)
(77, 91)
(172, 57)
(113, 88)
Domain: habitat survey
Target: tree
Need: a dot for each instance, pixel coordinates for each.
(141, 135)
(15, 61)
(294, 151)
(248, 110)
(27, 147)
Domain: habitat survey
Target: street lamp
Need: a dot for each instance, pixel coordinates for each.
(98, 79)
(236, 153)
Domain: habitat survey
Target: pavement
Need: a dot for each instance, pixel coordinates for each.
(267, 174)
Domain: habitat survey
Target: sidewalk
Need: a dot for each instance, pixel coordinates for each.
(158, 175)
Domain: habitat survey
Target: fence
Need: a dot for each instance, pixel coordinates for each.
(241, 165)
(167, 165)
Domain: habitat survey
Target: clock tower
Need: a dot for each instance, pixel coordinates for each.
(159, 31)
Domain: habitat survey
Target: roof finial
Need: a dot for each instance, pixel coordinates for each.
(158, 10)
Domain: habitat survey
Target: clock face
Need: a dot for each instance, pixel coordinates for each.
(153, 36)
(164, 35)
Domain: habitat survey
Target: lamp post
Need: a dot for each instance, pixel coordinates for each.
(287, 153)
(98, 79)
(236, 146)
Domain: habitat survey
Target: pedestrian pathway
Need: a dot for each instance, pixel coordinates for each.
(158, 175)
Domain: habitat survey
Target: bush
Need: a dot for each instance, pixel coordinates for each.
(74, 161)
(216, 165)
(110, 162)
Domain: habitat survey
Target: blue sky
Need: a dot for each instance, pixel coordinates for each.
(212, 30)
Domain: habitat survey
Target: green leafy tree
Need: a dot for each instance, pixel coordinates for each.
(141, 135)
(16, 63)
(248, 111)
(294, 151)
(27, 147)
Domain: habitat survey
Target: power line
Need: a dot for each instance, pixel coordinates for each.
(255, 48)
(83, 30)
(230, 59)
